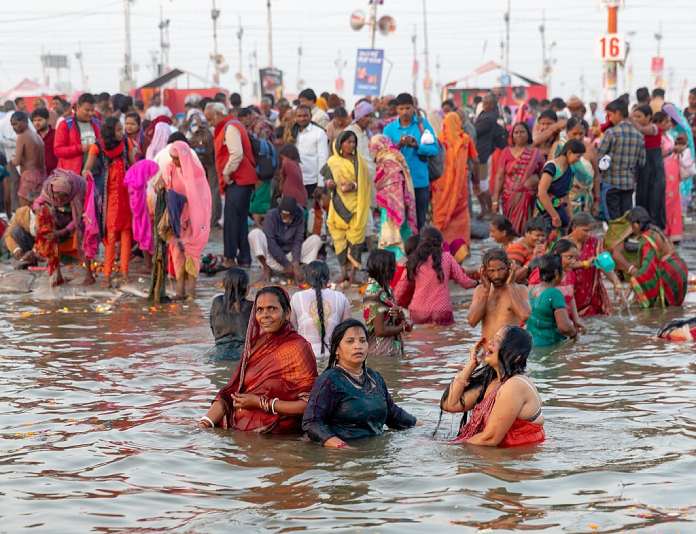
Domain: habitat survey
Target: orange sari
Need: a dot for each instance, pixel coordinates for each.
(450, 194)
(278, 365)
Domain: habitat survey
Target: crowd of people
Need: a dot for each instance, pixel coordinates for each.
(573, 196)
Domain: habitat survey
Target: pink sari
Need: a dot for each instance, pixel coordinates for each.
(517, 199)
(189, 180)
(675, 225)
(591, 296)
(136, 180)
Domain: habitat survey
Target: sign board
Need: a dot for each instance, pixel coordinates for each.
(271, 81)
(657, 65)
(54, 61)
(612, 47)
(368, 72)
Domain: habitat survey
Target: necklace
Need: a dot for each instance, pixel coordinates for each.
(356, 376)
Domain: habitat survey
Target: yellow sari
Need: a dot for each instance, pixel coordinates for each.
(347, 226)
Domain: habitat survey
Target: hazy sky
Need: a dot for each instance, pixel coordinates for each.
(463, 34)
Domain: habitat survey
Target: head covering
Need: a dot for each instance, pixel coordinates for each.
(682, 126)
(393, 182)
(363, 109)
(136, 181)
(74, 187)
(287, 204)
(191, 182)
(322, 103)
(159, 140)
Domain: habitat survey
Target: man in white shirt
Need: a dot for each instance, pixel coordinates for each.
(313, 146)
(156, 108)
(309, 98)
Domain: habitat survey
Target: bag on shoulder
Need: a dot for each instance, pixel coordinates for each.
(266, 157)
(436, 164)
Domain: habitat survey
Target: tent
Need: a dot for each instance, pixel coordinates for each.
(30, 91)
(173, 97)
(511, 88)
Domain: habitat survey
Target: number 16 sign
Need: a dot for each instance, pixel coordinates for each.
(612, 47)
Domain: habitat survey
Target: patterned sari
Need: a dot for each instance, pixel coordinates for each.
(659, 281)
(279, 365)
(517, 199)
(591, 296)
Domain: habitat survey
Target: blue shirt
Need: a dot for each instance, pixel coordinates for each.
(418, 167)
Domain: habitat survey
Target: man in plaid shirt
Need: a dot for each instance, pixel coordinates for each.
(624, 144)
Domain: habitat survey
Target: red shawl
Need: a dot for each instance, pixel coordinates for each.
(591, 296)
(278, 365)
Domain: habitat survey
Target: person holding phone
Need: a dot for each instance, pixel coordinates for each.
(409, 132)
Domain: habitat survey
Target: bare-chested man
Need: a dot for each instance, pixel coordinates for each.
(29, 158)
(498, 301)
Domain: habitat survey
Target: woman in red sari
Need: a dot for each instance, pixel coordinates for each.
(116, 204)
(504, 403)
(518, 176)
(269, 391)
(591, 296)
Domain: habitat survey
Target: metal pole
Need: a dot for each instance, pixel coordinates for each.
(128, 67)
(542, 31)
(240, 73)
(299, 68)
(507, 40)
(270, 33)
(611, 66)
(414, 67)
(214, 14)
(427, 83)
(373, 23)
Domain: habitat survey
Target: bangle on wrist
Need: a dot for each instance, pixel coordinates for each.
(208, 420)
(273, 410)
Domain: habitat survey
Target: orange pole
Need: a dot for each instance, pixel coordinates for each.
(612, 21)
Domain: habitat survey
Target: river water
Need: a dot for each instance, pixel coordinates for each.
(99, 400)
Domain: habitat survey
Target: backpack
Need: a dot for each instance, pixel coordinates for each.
(266, 157)
(436, 164)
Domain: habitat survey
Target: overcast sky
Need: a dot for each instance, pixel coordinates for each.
(462, 35)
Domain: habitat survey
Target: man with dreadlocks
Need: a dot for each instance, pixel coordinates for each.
(498, 301)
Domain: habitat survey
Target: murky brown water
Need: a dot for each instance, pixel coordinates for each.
(97, 434)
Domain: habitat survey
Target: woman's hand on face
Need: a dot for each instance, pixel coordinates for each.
(246, 401)
(475, 351)
(336, 443)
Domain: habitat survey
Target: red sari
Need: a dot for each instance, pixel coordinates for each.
(522, 432)
(278, 365)
(517, 200)
(591, 296)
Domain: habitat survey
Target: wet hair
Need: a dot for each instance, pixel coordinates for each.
(236, 284)
(108, 133)
(548, 114)
(381, 266)
(573, 122)
(85, 98)
(290, 152)
(642, 94)
(536, 224)
(563, 245)
(618, 105)
(317, 275)
(430, 246)
(235, 100)
(177, 136)
(133, 115)
(640, 216)
(526, 129)
(550, 266)
(573, 145)
(495, 254)
(503, 224)
(411, 244)
(645, 109)
(19, 116)
(279, 292)
(338, 335)
(40, 112)
(513, 352)
(581, 219)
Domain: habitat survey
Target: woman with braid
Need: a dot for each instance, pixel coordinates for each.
(316, 311)
(229, 316)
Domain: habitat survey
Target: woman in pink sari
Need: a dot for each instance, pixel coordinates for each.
(518, 176)
(188, 204)
(136, 181)
(675, 224)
